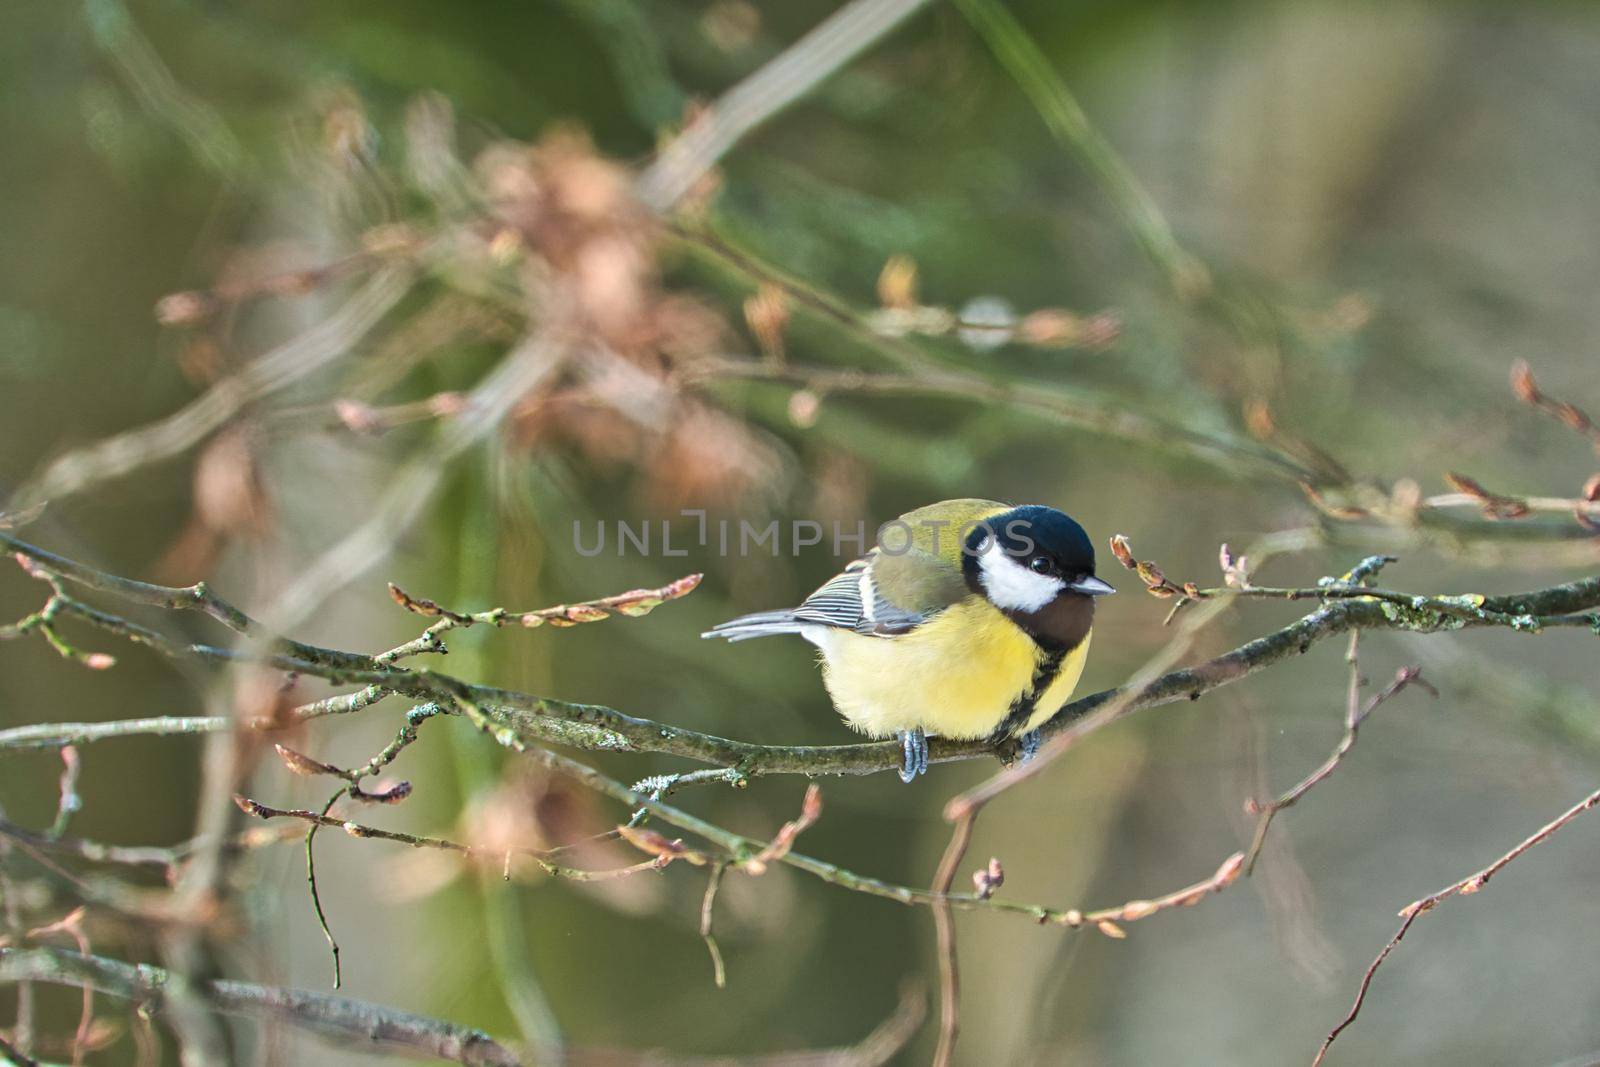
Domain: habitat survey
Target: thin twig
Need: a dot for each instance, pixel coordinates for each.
(329, 339)
(355, 829)
(1569, 415)
(532, 718)
(16, 1056)
(1465, 887)
(633, 604)
(316, 897)
(1068, 123)
(719, 973)
(845, 34)
(1355, 715)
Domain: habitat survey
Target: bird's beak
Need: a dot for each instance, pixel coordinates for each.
(1091, 586)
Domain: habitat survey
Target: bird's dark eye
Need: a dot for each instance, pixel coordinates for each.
(1041, 565)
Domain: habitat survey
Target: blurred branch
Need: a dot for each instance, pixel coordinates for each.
(841, 37)
(1071, 127)
(347, 1023)
(1061, 112)
(55, 734)
(194, 120)
(1070, 407)
(16, 1056)
(1352, 510)
(440, 844)
(290, 362)
(1465, 887)
(362, 1027)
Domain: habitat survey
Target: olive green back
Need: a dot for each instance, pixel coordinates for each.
(917, 564)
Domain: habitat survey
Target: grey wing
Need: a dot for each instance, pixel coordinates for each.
(852, 601)
(847, 601)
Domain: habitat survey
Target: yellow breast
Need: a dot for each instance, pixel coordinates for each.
(955, 676)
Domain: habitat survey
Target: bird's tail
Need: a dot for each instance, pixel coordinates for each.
(761, 624)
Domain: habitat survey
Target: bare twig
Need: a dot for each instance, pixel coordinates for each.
(783, 842)
(634, 603)
(1493, 505)
(530, 718)
(348, 1022)
(72, 926)
(708, 903)
(496, 855)
(316, 897)
(1465, 887)
(1355, 714)
(1569, 415)
(962, 812)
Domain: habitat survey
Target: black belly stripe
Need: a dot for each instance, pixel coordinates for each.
(1027, 701)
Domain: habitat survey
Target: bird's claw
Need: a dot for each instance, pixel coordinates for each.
(1028, 746)
(913, 754)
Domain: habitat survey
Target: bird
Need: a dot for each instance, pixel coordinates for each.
(968, 619)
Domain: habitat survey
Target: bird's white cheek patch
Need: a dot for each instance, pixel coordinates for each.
(1013, 586)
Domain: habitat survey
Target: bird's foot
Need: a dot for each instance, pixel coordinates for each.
(1028, 746)
(913, 754)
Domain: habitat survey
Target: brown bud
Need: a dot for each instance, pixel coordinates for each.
(1050, 328)
(804, 405)
(1495, 506)
(897, 283)
(660, 846)
(1259, 421)
(184, 309)
(767, 314)
(1522, 383)
(1134, 910)
(1101, 329)
(389, 793)
(1406, 496)
(303, 765)
(1230, 870)
(246, 805)
(505, 246)
(987, 880)
(1123, 551)
(1572, 417)
(1150, 574)
(444, 405)
(358, 417)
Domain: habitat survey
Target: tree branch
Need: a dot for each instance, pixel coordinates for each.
(1465, 887)
(349, 1023)
(527, 718)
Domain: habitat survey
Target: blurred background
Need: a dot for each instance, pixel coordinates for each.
(1279, 243)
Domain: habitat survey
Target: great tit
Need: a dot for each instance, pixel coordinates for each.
(968, 619)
